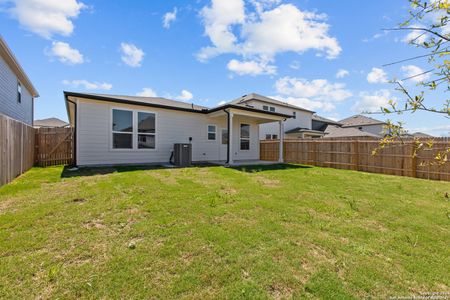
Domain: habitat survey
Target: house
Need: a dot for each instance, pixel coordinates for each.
(299, 126)
(17, 93)
(336, 131)
(114, 129)
(50, 122)
(365, 124)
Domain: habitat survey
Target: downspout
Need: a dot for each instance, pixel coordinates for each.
(228, 135)
(75, 133)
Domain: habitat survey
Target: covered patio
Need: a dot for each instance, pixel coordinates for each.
(242, 141)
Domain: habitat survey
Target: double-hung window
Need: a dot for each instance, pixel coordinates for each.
(122, 129)
(212, 131)
(146, 130)
(245, 137)
(130, 126)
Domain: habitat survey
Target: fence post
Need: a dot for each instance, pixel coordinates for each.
(356, 154)
(413, 160)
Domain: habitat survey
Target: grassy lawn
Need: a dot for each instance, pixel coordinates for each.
(282, 231)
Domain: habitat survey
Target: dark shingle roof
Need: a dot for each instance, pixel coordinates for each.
(325, 120)
(334, 131)
(358, 120)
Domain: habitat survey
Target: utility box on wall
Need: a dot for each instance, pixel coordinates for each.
(182, 155)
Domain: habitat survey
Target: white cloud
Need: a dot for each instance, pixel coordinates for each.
(131, 55)
(373, 101)
(265, 32)
(66, 54)
(46, 17)
(377, 75)
(169, 17)
(314, 94)
(221, 103)
(87, 85)
(251, 67)
(147, 92)
(185, 96)
(342, 73)
(412, 71)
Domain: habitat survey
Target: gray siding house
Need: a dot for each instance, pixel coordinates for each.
(17, 93)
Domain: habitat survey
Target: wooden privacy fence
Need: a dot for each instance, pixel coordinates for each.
(54, 146)
(396, 159)
(16, 148)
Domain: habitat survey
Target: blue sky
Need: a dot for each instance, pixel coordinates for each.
(211, 51)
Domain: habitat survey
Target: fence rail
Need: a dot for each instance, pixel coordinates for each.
(16, 148)
(396, 159)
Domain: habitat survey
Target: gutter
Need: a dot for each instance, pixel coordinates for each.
(75, 125)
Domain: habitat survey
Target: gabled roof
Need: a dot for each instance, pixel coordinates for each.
(333, 131)
(13, 63)
(151, 100)
(360, 120)
(50, 122)
(325, 120)
(254, 96)
(163, 103)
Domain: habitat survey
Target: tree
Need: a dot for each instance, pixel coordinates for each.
(429, 29)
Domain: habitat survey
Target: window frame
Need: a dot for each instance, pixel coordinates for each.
(269, 136)
(134, 132)
(265, 107)
(208, 132)
(294, 113)
(241, 138)
(19, 92)
(272, 108)
(274, 136)
(144, 133)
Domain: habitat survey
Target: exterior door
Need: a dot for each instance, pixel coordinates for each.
(223, 144)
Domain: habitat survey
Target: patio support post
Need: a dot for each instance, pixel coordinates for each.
(230, 138)
(281, 136)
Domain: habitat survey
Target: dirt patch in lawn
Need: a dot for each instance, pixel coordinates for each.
(267, 182)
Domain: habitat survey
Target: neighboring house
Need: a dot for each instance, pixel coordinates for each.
(335, 131)
(111, 129)
(17, 93)
(50, 122)
(365, 124)
(297, 126)
(417, 135)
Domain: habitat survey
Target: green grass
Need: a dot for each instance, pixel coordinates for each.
(282, 231)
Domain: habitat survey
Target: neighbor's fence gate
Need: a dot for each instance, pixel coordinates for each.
(356, 154)
(16, 148)
(54, 146)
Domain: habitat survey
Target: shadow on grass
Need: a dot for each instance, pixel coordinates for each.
(92, 171)
(262, 168)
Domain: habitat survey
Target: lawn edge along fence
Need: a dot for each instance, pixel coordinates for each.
(356, 154)
(22, 147)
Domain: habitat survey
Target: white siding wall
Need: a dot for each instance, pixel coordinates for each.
(8, 96)
(303, 119)
(94, 136)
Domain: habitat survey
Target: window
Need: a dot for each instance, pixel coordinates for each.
(19, 92)
(245, 137)
(272, 109)
(122, 128)
(269, 108)
(274, 136)
(265, 107)
(294, 114)
(224, 136)
(129, 126)
(268, 136)
(146, 130)
(211, 132)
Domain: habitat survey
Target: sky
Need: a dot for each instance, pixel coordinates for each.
(322, 55)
